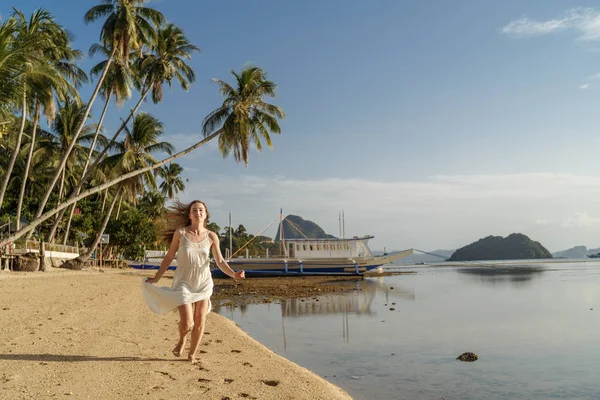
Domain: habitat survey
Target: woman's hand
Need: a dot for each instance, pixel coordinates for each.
(152, 280)
(240, 275)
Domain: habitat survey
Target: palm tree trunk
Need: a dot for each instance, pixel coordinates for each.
(119, 208)
(68, 224)
(75, 137)
(36, 119)
(84, 257)
(104, 199)
(107, 147)
(13, 157)
(37, 221)
(87, 162)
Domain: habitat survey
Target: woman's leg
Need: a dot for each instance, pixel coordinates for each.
(185, 325)
(200, 311)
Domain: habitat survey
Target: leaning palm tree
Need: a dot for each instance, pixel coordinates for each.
(244, 115)
(47, 64)
(117, 84)
(172, 182)
(56, 54)
(128, 26)
(134, 153)
(163, 64)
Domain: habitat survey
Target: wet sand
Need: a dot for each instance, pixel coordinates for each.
(90, 335)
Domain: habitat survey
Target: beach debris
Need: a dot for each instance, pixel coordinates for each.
(272, 383)
(28, 262)
(468, 357)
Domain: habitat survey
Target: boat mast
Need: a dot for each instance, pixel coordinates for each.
(281, 236)
(340, 222)
(343, 226)
(230, 235)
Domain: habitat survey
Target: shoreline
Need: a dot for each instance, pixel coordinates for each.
(90, 334)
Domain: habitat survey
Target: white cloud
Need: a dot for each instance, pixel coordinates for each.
(580, 219)
(585, 22)
(584, 86)
(595, 76)
(440, 212)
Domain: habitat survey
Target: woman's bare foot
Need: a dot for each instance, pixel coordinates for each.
(192, 359)
(178, 348)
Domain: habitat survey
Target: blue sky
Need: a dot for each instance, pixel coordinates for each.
(431, 123)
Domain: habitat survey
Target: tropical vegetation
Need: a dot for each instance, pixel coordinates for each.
(67, 179)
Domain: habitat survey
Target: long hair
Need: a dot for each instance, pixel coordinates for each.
(179, 217)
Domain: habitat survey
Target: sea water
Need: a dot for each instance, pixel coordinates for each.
(534, 326)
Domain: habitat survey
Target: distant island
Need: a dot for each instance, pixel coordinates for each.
(295, 227)
(515, 246)
(577, 252)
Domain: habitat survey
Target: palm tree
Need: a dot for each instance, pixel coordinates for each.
(67, 120)
(45, 62)
(244, 117)
(172, 183)
(152, 204)
(134, 153)
(117, 83)
(57, 54)
(128, 26)
(165, 63)
(244, 104)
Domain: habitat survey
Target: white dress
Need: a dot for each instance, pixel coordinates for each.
(192, 281)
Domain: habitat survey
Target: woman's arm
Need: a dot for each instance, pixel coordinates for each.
(220, 261)
(164, 265)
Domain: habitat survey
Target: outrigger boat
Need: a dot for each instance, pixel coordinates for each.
(302, 257)
(319, 257)
(307, 256)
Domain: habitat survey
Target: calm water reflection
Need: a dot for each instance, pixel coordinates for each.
(535, 327)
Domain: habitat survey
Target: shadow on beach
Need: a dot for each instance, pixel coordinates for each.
(73, 358)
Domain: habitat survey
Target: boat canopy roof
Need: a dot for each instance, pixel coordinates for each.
(366, 237)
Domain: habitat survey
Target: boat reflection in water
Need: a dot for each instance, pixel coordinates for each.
(358, 301)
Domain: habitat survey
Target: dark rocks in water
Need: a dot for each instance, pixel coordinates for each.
(28, 262)
(468, 356)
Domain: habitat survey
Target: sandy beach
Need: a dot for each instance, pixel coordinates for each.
(90, 335)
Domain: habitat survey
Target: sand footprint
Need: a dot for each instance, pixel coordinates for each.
(271, 383)
(203, 380)
(247, 364)
(236, 351)
(228, 381)
(246, 396)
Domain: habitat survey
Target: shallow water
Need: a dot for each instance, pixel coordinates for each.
(535, 327)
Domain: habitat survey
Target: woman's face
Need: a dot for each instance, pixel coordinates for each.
(198, 212)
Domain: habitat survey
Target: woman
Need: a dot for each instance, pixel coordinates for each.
(192, 282)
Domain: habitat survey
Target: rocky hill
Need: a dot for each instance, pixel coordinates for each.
(295, 227)
(514, 247)
(577, 252)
